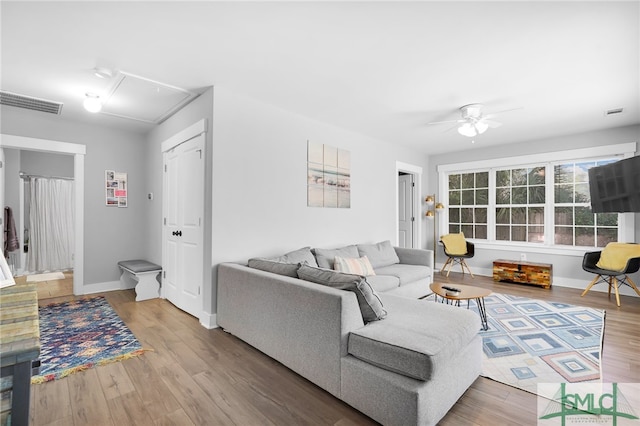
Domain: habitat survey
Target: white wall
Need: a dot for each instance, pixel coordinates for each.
(111, 234)
(12, 182)
(259, 204)
(46, 164)
(260, 188)
(567, 269)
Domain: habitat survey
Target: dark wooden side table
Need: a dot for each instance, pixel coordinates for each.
(467, 292)
(19, 345)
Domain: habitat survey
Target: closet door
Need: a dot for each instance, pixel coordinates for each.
(183, 253)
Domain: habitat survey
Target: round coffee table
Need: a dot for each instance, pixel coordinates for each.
(466, 292)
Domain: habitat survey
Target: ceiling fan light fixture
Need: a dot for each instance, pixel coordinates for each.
(467, 129)
(481, 127)
(92, 102)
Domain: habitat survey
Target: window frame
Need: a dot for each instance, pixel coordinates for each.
(494, 205)
(474, 206)
(626, 225)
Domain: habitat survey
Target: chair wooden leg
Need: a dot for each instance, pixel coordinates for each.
(450, 265)
(463, 263)
(445, 264)
(615, 287)
(591, 284)
(632, 284)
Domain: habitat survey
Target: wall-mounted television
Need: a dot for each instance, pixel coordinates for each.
(615, 187)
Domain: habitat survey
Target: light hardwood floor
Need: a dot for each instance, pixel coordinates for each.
(53, 288)
(207, 377)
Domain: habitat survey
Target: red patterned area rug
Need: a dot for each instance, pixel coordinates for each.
(81, 334)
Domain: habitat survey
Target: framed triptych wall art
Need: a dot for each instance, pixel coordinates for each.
(328, 176)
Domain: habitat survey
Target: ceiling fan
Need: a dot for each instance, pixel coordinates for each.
(474, 122)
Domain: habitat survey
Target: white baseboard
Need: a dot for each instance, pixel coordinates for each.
(106, 286)
(579, 284)
(208, 320)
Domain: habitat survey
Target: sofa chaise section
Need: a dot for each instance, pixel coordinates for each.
(415, 364)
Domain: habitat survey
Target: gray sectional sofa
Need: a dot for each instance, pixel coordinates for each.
(368, 341)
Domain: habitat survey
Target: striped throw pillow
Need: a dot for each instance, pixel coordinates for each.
(353, 265)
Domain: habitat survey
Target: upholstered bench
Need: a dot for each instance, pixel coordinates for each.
(144, 273)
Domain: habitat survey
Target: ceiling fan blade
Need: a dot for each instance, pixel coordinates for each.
(491, 123)
(451, 128)
(494, 113)
(444, 122)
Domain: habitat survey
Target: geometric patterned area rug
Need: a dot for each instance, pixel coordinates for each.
(533, 341)
(81, 334)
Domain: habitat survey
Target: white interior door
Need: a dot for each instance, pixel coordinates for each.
(183, 253)
(405, 211)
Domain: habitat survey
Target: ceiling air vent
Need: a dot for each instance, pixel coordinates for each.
(29, 102)
(614, 111)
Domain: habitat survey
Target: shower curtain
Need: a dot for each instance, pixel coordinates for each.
(51, 225)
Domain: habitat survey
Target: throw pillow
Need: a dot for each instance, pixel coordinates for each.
(280, 268)
(326, 257)
(380, 255)
(287, 264)
(455, 243)
(298, 256)
(368, 300)
(614, 257)
(360, 266)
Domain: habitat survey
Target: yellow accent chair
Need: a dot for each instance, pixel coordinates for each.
(457, 249)
(613, 266)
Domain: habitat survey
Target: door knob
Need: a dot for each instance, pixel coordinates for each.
(177, 233)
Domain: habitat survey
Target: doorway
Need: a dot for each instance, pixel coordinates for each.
(45, 211)
(406, 217)
(77, 152)
(408, 202)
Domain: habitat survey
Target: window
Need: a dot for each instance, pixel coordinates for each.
(574, 223)
(520, 204)
(533, 199)
(468, 203)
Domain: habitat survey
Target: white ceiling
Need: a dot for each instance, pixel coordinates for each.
(383, 69)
